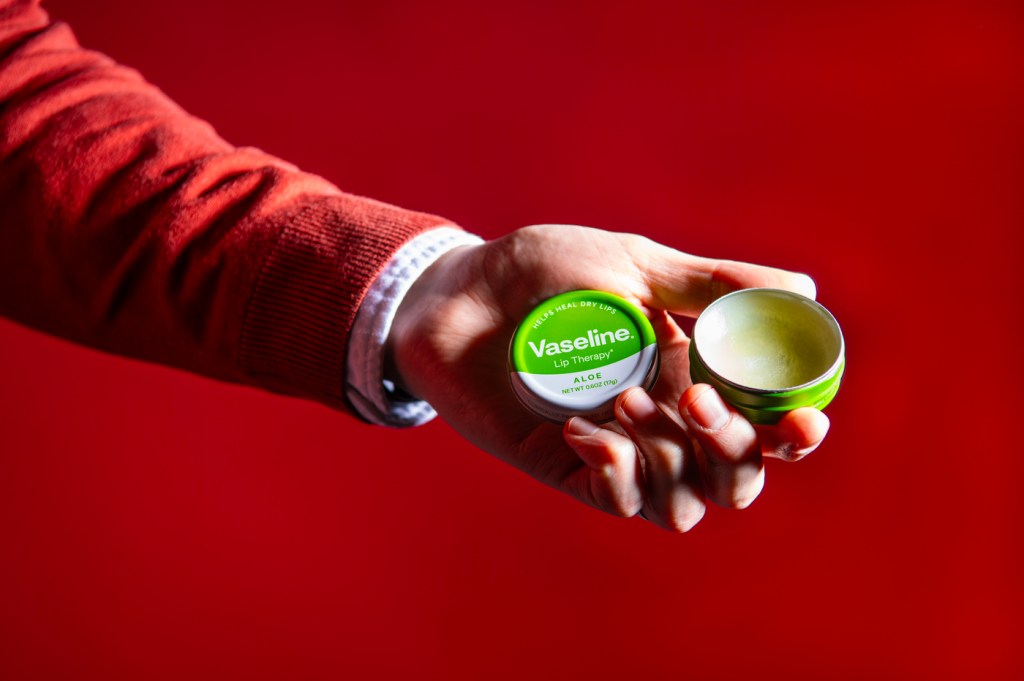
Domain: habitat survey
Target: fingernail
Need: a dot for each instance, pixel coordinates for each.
(578, 425)
(708, 410)
(639, 407)
(806, 286)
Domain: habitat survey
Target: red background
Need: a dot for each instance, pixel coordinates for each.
(159, 525)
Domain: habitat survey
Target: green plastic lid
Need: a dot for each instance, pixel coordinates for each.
(574, 353)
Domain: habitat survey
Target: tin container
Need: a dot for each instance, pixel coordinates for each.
(574, 353)
(768, 351)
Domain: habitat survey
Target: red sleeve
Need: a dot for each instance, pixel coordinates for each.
(130, 226)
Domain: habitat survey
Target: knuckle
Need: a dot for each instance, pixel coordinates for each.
(735, 443)
(721, 282)
(632, 242)
(684, 516)
(620, 448)
(681, 524)
(742, 495)
(624, 508)
(665, 458)
(740, 502)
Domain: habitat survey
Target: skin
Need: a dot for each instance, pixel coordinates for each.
(667, 453)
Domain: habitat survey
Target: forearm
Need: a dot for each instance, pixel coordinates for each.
(128, 225)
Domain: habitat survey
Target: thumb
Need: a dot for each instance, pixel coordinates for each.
(685, 284)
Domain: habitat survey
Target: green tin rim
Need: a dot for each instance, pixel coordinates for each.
(766, 407)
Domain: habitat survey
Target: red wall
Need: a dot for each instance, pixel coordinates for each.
(157, 525)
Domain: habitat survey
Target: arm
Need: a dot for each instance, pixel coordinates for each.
(130, 226)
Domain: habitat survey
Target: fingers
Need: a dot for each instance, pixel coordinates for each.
(611, 479)
(798, 434)
(686, 284)
(673, 346)
(674, 499)
(732, 465)
(668, 483)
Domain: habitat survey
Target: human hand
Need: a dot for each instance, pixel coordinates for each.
(666, 452)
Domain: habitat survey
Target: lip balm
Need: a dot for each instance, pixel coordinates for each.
(767, 352)
(574, 353)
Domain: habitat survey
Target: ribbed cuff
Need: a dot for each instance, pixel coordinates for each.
(305, 299)
(367, 391)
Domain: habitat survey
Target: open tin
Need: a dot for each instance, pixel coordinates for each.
(767, 352)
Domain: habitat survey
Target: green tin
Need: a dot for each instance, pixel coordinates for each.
(768, 351)
(574, 353)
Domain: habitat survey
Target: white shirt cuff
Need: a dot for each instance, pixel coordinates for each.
(372, 397)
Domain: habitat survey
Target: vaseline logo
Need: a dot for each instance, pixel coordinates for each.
(594, 338)
(569, 356)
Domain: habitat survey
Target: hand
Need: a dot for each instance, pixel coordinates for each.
(666, 452)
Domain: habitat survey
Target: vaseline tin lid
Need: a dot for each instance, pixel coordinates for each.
(575, 352)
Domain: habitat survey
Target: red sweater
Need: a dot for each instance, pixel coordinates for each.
(130, 226)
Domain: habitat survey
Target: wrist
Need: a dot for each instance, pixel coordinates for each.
(428, 309)
(369, 362)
